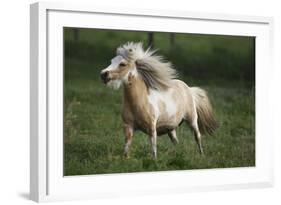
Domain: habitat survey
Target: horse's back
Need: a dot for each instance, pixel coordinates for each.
(182, 90)
(179, 84)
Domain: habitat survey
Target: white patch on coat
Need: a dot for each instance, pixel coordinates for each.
(114, 64)
(166, 97)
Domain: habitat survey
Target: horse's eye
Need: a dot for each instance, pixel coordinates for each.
(122, 64)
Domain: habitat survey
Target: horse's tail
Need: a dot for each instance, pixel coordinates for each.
(206, 120)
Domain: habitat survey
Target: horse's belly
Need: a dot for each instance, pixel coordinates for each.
(164, 126)
(164, 130)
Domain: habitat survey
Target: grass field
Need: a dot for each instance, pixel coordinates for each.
(93, 133)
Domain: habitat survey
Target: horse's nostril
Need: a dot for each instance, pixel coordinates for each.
(104, 75)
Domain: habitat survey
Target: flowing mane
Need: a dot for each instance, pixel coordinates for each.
(156, 73)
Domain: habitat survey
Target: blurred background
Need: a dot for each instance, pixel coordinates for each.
(204, 57)
(93, 133)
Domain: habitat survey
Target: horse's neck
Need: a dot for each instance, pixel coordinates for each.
(135, 93)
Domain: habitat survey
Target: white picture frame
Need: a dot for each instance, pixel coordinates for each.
(47, 182)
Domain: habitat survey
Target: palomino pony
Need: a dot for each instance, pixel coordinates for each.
(154, 101)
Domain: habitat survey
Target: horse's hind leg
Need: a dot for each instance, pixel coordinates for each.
(197, 135)
(173, 136)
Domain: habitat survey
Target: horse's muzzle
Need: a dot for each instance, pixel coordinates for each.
(104, 77)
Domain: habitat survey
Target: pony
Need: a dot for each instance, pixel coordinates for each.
(154, 100)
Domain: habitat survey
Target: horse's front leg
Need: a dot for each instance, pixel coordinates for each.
(153, 141)
(129, 131)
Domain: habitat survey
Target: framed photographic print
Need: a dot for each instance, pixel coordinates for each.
(128, 101)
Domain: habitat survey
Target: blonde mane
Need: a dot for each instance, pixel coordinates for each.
(155, 72)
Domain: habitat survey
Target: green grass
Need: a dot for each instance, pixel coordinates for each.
(94, 139)
(93, 132)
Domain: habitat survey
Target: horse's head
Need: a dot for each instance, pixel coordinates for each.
(118, 71)
(131, 60)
